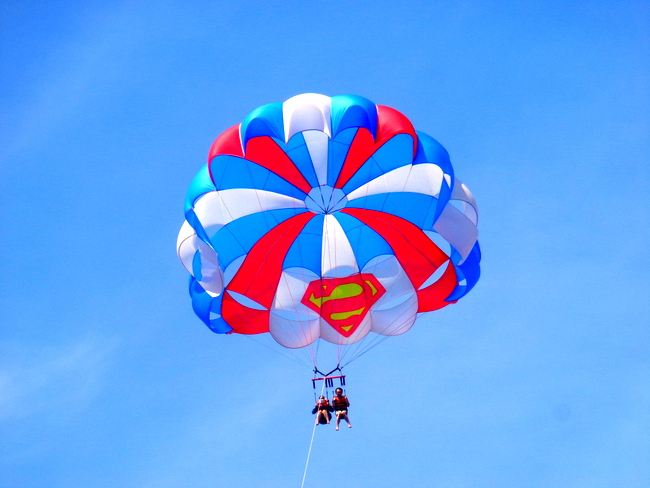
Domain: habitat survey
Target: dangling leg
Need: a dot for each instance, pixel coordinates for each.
(345, 417)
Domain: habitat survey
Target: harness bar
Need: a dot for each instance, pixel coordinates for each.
(329, 381)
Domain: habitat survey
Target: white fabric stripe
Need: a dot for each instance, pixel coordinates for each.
(394, 312)
(337, 258)
(419, 178)
(309, 111)
(211, 275)
(396, 320)
(217, 208)
(291, 323)
(318, 146)
(457, 229)
(462, 193)
(186, 246)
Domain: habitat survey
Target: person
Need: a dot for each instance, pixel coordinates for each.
(322, 410)
(340, 403)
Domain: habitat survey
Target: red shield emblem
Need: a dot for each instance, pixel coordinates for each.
(343, 302)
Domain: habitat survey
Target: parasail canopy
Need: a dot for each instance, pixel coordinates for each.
(326, 217)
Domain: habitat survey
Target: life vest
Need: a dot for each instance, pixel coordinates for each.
(323, 404)
(340, 403)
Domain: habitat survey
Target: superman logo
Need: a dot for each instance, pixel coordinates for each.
(343, 302)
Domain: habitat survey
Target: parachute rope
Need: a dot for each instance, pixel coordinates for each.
(294, 357)
(311, 443)
(374, 342)
(364, 345)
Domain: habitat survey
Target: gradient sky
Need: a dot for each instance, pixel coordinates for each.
(540, 377)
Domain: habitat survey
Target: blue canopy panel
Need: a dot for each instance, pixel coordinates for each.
(266, 120)
(207, 308)
(201, 184)
(469, 271)
(431, 151)
(196, 266)
(306, 250)
(297, 151)
(417, 208)
(337, 151)
(230, 172)
(397, 152)
(366, 243)
(353, 111)
(236, 238)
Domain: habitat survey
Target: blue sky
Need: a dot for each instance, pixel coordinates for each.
(540, 377)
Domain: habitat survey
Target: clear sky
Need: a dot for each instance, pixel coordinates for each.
(540, 377)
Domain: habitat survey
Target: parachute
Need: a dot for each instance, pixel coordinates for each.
(326, 218)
